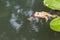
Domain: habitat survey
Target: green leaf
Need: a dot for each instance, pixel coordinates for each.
(55, 24)
(53, 4)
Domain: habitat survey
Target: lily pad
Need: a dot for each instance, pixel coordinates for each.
(55, 24)
(53, 4)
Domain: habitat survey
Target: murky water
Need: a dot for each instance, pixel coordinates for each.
(15, 26)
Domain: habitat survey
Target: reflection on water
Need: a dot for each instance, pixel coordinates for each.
(34, 27)
(14, 18)
(17, 7)
(7, 3)
(30, 3)
(28, 12)
(33, 24)
(14, 23)
(19, 10)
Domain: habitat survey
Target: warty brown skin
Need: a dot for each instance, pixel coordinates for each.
(42, 15)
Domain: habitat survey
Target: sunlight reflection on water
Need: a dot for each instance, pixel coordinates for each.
(14, 23)
(35, 28)
(7, 3)
(14, 18)
(28, 12)
(30, 3)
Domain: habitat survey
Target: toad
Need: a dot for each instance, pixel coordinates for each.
(42, 14)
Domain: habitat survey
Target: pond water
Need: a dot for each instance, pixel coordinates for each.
(15, 26)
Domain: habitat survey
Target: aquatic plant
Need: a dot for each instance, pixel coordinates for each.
(53, 4)
(55, 24)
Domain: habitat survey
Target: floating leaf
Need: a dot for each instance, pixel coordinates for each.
(53, 4)
(55, 24)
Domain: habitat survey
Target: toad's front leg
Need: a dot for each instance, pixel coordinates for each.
(30, 19)
(46, 18)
